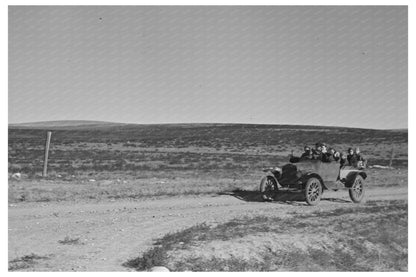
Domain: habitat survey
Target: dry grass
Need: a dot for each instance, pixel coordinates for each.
(176, 183)
(136, 148)
(70, 241)
(50, 190)
(134, 161)
(25, 262)
(364, 238)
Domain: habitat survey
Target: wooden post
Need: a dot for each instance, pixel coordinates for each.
(391, 157)
(45, 163)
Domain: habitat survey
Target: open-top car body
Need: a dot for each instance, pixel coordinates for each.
(312, 177)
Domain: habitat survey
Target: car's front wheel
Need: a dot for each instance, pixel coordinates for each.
(357, 189)
(268, 188)
(313, 191)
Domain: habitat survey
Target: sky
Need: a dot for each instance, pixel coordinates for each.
(308, 65)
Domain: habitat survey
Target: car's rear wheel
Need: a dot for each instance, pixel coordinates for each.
(313, 191)
(268, 188)
(357, 189)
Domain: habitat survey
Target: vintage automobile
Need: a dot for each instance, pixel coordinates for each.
(312, 177)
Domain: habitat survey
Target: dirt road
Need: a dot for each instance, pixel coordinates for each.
(112, 232)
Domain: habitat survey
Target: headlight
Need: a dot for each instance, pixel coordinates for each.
(278, 169)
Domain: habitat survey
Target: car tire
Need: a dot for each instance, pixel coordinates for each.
(313, 191)
(356, 190)
(268, 188)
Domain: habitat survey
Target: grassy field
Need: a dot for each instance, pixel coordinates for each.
(364, 238)
(179, 184)
(135, 161)
(112, 162)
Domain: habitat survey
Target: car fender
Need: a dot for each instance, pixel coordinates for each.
(349, 180)
(271, 175)
(308, 175)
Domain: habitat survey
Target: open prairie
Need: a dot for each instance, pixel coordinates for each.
(128, 197)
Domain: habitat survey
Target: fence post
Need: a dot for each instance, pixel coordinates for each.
(45, 163)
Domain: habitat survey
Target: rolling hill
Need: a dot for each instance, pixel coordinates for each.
(63, 124)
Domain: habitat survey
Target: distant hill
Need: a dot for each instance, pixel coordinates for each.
(200, 134)
(82, 124)
(63, 124)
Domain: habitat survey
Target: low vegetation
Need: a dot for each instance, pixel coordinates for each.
(141, 161)
(132, 149)
(70, 241)
(338, 240)
(152, 185)
(25, 262)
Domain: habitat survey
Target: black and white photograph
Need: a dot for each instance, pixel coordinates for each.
(207, 138)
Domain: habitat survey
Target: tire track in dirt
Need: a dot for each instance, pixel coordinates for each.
(111, 232)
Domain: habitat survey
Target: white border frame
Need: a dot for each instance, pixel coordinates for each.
(4, 107)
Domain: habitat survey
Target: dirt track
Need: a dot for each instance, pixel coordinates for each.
(112, 232)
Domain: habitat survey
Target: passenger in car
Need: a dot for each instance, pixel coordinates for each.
(351, 157)
(361, 162)
(317, 152)
(330, 156)
(325, 154)
(344, 159)
(358, 154)
(337, 156)
(307, 154)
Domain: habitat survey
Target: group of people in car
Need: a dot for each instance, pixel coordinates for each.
(328, 154)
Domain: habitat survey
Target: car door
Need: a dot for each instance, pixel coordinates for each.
(329, 173)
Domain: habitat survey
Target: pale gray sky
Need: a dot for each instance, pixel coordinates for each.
(343, 66)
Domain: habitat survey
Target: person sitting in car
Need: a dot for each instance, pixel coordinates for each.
(317, 152)
(361, 162)
(355, 158)
(337, 156)
(325, 155)
(343, 160)
(330, 156)
(307, 154)
(351, 157)
(358, 154)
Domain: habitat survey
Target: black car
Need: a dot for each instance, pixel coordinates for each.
(312, 177)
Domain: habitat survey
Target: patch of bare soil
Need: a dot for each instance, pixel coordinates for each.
(103, 235)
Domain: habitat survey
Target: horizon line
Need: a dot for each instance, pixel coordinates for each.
(195, 123)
